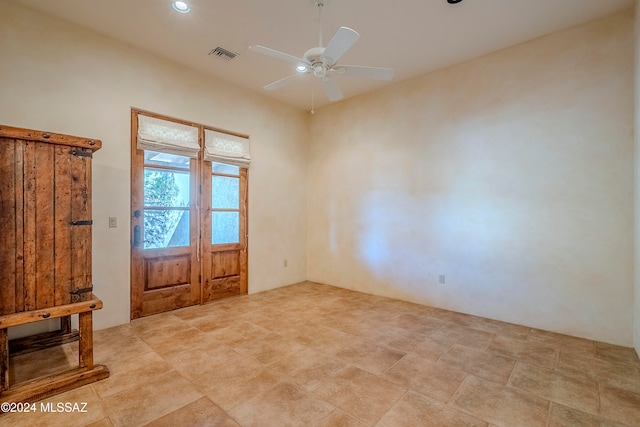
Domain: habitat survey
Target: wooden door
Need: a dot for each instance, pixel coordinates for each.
(165, 269)
(224, 231)
(45, 219)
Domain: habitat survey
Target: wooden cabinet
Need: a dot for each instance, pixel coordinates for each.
(45, 255)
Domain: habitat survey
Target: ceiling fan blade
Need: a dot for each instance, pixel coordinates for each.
(341, 42)
(280, 83)
(332, 90)
(276, 54)
(376, 73)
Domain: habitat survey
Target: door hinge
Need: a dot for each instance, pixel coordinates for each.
(82, 153)
(81, 290)
(82, 222)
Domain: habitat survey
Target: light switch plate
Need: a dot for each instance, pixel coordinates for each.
(113, 222)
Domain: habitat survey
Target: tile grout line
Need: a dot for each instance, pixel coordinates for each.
(406, 391)
(513, 370)
(549, 413)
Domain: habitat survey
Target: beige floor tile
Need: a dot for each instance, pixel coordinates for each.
(283, 405)
(149, 400)
(24, 367)
(269, 348)
(113, 333)
(231, 391)
(424, 324)
(418, 344)
(461, 319)
(213, 322)
(343, 321)
(426, 377)
(105, 422)
(369, 356)
(620, 405)
(575, 392)
(479, 363)
(302, 359)
(192, 312)
(361, 394)
(114, 350)
(130, 372)
(455, 334)
(152, 325)
(616, 353)
(372, 330)
(417, 410)
(201, 413)
(43, 413)
(234, 305)
(499, 328)
(298, 352)
(213, 364)
(499, 404)
(340, 419)
(308, 369)
(324, 339)
(240, 333)
(609, 373)
(260, 317)
(184, 340)
(562, 416)
(568, 344)
(287, 325)
(535, 354)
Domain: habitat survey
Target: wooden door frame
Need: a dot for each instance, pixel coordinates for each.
(137, 200)
(242, 246)
(199, 214)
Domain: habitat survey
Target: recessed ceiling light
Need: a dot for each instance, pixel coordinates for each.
(181, 6)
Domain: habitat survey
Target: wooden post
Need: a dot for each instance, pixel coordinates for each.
(4, 360)
(86, 339)
(65, 324)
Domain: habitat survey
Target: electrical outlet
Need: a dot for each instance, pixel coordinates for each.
(441, 279)
(113, 222)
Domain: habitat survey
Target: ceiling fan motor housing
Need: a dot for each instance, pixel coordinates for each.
(314, 57)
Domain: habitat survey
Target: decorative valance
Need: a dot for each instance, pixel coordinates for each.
(167, 137)
(226, 148)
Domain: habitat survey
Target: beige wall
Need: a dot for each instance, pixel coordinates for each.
(637, 180)
(60, 78)
(511, 174)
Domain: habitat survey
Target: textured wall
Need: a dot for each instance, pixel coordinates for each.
(637, 181)
(511, 174)
(60, 78)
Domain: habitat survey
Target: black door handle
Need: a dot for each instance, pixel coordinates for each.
(137, 235)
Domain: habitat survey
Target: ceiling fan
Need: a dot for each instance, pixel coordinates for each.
(322, 62)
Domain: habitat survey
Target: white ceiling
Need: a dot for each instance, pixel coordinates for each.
(411, 36)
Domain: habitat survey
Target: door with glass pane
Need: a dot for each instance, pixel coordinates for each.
(224, 231)
(165, 270)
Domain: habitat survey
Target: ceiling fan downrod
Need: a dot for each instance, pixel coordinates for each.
(320, 5)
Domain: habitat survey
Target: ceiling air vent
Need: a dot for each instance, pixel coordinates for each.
(225, 54)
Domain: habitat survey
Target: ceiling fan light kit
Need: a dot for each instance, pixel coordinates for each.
(322, 62)
(180, 6)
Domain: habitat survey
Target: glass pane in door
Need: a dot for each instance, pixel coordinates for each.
(166, 189)
(225, 192)
(225, 227)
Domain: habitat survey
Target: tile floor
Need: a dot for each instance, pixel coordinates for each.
(316, 355)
